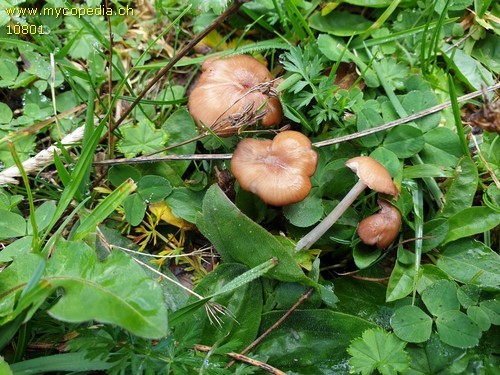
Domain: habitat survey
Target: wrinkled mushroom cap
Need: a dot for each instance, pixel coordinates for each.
(222, 91)
(373, 174)
(381, 228)
(278, 171)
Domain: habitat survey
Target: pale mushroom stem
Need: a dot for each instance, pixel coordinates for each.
(310, 238)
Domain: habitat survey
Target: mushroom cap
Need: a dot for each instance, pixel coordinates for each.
(222, 91)
(373, 174)
(278, 171)
(381, 228)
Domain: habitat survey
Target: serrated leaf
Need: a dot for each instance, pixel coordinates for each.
(141, 138)
(411, 324)
(92, 290)
(457, 329)
(379, 350)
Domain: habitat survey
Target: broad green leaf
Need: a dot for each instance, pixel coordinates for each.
(404, 140)
(304, 213)
(5, 113)
(11, 225)
(457, 329)
(43, 215)
(388, 159)
(480, 317)
(339, 23)
(239, 326)
(440, 297)
(135, 209)
(467, 69)
(369, 118)
(411, 324)
(418, 100)
(310, 341)
(436, 231)
(180, 127)
(153, 189)
(470, 221)
(229, 231)
(470, 262)
(468, 295)
(429, 274)
(365, 256)
(92, 290)
(432, 357)
(367, 303)
(4, 367)
(185, 203)
(461, 191)
(141, 138)
(400, 282)
(442, 147)
(118, 174)
(487, 51)
(379, 350)
(16, 249)
(492, 309)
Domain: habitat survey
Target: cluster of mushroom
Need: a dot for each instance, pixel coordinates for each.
(237, 90)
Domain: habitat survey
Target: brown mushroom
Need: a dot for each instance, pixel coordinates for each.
(231, 92)
(381, 228)
(278, 171)
(371, 174)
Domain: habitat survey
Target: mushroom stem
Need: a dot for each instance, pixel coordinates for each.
(310, 238)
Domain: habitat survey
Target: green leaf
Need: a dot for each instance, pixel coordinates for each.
(185, 203)
(379, 350)
(43, 215)
(440, 297)
(480, 317)
(118, 174)
(240, 324)
(388, 159)
(153, 189)
(411, 324)
(436, 229)
(75, 362)
(457, 329)
(470, 221)
(460, 193)
(471, 262)
(418, 100)
(229, 231)
(103, 209)
(369, 118)
(429, 274)
(180, 127)
(304, 213)
(4, 367)
(492, 309)
(135, 209)
(442, 147)
(310, 341)
(339, 23)
(468, 295)
(141, 138)
(367, 303)
(365, 256)
(405, 141)
(11, 225)
(92, 290)
(426, 170)
(400, 282)
(5, 113)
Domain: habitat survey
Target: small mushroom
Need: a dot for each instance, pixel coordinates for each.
(371, 174)
(231, 92)
(381, 228)
(278, 171)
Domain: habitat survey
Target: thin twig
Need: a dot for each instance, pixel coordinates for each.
(243, 358)
(259, 339)
(233, 8)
